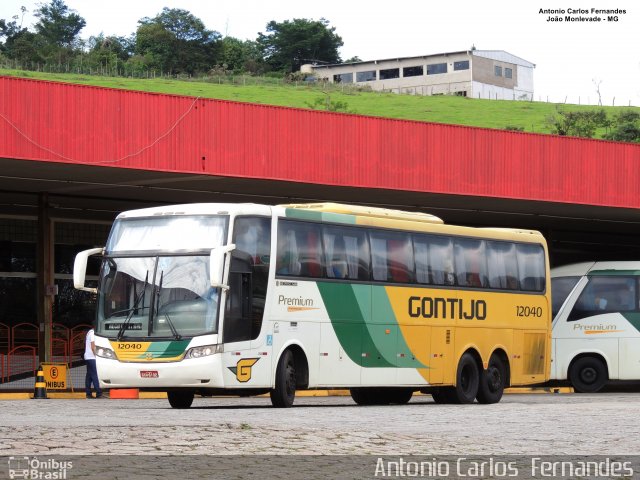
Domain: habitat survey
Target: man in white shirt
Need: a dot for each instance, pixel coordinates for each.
(90, 360)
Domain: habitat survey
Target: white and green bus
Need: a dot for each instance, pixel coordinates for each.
(596, 326)
(245, 299)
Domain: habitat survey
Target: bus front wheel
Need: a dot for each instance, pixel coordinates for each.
(588, 375)
(284, 393)
(492, 381)
(467, 380)
(180, 398)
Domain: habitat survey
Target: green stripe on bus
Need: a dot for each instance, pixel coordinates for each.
(304, 214)
(168, 349)
(348, 321)
(633, 318)
(391, 344)
(614, 273)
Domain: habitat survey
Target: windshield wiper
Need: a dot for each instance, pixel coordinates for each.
(156, 310)
(133, 309)
(176, 335)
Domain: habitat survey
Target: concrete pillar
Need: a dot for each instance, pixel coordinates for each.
(45, 284)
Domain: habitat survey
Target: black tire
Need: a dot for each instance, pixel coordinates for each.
(442, 395)
(588, 375)
(467, 380)
(284, 393)
(492, 381)
(399, 396)
(362, 396)
(180, 398)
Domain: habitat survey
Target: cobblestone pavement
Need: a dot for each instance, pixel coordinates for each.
(541, 424)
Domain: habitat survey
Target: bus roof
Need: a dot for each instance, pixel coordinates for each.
(199, 209)
(365, 211)
(402, 220)
(586, 268)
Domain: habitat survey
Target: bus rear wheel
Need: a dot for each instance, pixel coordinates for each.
(284, 393)
(180, 398)
(588, 375)
(467, 380)
(492, 381)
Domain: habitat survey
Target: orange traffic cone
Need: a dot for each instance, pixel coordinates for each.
(41, 387)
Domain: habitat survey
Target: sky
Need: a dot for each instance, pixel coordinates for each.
(573, 59)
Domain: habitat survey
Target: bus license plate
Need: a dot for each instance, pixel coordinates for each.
(148, 374)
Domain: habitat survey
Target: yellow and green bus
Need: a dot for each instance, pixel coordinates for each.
(246, 299)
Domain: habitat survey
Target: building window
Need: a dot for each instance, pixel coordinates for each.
(463, 65)
(413, 71)
(368, 76)
(508, 73)
(389, 73)
(343, 78)
(498, 71)
(436, 68)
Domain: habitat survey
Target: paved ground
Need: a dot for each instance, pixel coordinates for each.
(540, 424)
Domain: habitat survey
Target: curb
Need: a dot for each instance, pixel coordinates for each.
(304, 393)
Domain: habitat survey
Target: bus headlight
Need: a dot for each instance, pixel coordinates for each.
(204, 351)
(105, 353)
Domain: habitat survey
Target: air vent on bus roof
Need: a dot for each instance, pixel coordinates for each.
(366, 211)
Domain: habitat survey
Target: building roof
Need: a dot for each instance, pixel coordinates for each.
(500, 55)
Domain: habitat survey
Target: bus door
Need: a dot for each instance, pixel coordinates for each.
(247, 353)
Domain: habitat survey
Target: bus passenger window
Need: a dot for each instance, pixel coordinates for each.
(337, 266)
(346, 253)
(440, 259)
(502, 265)
(391, 257)
(299, 250)
(531, 267)
(471, 262)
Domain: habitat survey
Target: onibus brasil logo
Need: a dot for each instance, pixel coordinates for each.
(36, 469)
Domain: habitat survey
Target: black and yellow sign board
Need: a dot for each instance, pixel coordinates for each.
(55, 375)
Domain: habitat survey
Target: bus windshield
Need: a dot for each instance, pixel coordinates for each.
(154, 280)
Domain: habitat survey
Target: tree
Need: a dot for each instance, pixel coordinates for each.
(288, 45)
(578, 124)
(57, 24)
(109, 52)
(177, 42)
(19, 43)
(241, 55)
(626, 127)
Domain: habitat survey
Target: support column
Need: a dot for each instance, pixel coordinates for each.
(45, 287)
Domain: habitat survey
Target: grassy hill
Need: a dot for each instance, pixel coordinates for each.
(530, 116)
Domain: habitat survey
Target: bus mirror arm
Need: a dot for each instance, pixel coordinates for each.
(216, 265)
(80, 269)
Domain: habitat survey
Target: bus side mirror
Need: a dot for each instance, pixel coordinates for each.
(80, 269)
(216, 265)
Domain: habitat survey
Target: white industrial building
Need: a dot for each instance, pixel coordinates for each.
(490, 74)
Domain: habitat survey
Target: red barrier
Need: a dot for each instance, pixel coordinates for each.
(5, 338)
(18, 360)
(76, 346)
(59, 350)
(24, 334)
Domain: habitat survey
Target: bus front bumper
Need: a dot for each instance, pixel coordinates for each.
(205, 372)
